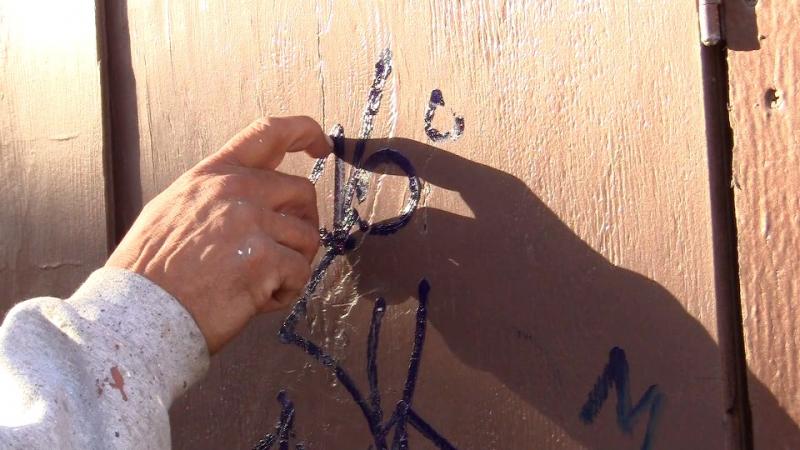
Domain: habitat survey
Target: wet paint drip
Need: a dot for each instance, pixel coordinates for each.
(337, 242)
(435, 135)
(616, 375)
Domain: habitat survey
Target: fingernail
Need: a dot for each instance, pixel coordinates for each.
(330, 141)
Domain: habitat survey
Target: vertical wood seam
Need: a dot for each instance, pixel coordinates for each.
(726, 262)
(105, 99)
(125, 174)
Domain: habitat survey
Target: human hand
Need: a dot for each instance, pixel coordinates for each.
(232, 237)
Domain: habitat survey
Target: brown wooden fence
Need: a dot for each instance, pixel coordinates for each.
(611, 244)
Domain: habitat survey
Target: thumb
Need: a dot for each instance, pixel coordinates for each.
(265, 141)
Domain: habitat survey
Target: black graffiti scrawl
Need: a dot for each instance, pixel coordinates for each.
(616, 375)
(385, 431)
(284, 429)
(391, 430)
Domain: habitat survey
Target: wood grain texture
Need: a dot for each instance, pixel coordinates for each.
(573, 215)
(52, 187)
(765, 117)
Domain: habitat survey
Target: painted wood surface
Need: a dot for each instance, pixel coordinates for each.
(565, 236)
(52, 185)
(765, 118)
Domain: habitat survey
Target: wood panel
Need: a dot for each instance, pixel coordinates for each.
(52, 187)
(765, 118)
(565, 236)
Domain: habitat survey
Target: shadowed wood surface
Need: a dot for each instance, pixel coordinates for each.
(765, 117)
(52, 187)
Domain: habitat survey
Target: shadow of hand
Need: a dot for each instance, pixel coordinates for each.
(516, 293)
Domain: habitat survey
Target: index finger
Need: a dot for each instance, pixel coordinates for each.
(263, 144)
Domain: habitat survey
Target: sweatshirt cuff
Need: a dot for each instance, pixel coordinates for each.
(149, 329)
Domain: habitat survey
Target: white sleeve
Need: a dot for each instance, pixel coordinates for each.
(98, 370)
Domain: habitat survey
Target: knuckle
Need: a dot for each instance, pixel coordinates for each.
(245, 213)
(307, 190)
(285, 297)
(194, 173)
(296, 263)
(304, 272)
(187, 188)
(311, 239)
(264, 247)
(208, 166)
(306, 120)
(229, 185)
(259, 251)
(265, 125)
(189, 181)
(262, 121)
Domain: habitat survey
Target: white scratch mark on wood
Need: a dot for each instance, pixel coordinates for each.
(58, 265)
(64, 137)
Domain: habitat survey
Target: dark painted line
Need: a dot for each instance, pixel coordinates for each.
(372, 359)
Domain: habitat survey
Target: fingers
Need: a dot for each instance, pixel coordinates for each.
(289, 217)
(296, 234)
(294, 272)
(293, 195)
(276, 191)
(263, 144)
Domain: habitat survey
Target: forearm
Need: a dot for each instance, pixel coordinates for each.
(98, 370)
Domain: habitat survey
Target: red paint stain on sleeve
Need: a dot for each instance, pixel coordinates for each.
(119, 382)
